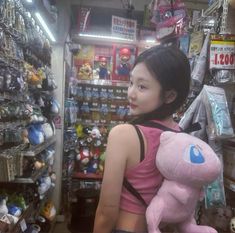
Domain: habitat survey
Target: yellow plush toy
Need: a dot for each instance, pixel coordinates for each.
(85, 71)
(49, 211)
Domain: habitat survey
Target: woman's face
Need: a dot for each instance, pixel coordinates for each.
(144, 92)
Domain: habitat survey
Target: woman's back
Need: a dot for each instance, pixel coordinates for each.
(144, 177)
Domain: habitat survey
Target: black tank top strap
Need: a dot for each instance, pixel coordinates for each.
(141, 142)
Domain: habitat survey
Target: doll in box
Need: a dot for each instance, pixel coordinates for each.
(103, 71)
(124, 66)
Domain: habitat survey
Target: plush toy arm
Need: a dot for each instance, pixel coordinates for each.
(180, 193)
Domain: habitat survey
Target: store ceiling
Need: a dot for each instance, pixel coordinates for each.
(101, 19)
(138, 4)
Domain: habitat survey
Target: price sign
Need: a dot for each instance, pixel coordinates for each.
(222, 54)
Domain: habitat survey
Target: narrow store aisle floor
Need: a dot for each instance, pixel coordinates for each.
(62, 227)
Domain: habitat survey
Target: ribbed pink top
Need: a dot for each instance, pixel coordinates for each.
(145, 177)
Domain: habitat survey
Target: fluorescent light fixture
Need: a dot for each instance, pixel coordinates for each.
(104, 37)
(44, 25)
(150, 41)
(29, 1)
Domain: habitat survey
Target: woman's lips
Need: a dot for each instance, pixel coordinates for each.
(133, 106)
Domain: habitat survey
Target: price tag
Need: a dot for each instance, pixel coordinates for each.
(23, 225)
(222, 54)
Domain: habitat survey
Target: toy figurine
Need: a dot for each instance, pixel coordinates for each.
(103, 70)
(187, 164)
(3, 205)
(85, 71)
(232, 225)
(124, 67)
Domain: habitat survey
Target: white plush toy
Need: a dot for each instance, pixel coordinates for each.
(232, 225)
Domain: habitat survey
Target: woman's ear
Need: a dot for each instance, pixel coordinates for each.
(170, 96)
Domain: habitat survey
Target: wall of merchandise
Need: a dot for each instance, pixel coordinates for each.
(27, 131)
(96, 101)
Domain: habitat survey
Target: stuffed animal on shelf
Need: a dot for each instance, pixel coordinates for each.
(187, 164)
(85, 71)
(232, 225)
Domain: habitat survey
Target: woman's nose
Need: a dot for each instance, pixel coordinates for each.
(131, 93)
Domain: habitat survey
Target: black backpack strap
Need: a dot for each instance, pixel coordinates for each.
(141, 142)
(126, 183)
(133, 191)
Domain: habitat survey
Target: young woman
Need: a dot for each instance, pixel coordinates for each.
(159, 84)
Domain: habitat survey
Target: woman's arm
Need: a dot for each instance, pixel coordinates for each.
(117, 152)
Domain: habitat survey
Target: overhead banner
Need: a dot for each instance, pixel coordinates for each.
(124, 28)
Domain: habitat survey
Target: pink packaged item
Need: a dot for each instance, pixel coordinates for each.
(169, 17)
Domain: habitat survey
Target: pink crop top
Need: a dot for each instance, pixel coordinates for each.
(144, 177)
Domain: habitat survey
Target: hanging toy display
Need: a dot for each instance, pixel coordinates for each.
(170, 18)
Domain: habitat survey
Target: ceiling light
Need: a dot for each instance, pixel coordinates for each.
(105, 37)
(150, 41)
(29, 1)
(44, 25)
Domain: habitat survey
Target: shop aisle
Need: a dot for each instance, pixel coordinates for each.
(61, 228)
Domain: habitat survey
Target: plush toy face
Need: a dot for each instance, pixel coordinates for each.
(232, 225)
(187, 159)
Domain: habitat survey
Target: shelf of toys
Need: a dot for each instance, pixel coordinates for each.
(96, 100)
(28, 108)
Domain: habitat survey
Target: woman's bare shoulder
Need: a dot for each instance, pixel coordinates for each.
(122, 130)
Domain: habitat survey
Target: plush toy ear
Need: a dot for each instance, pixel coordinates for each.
(167, 136)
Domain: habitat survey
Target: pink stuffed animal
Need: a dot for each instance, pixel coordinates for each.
(187, 164)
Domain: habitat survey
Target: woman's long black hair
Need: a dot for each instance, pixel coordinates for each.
(170, 66)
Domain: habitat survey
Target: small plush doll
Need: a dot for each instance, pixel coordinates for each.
(232, 225)
(187, 164)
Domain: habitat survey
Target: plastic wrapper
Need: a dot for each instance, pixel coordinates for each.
(170, 17)
(199, 70)
(214, 193)
(195, 113)
(224, 76)
(219, 121)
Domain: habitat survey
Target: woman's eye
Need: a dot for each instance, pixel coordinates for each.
(141, 87)
(130, 83)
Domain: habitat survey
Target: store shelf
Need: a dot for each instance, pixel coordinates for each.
(14, 124)
(9, 96)
(88, 176)
(229, 183)
(99, 82)
(30, 180)
(34, 150)
(26, 214)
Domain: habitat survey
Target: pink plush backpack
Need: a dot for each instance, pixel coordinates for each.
(187, 164)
